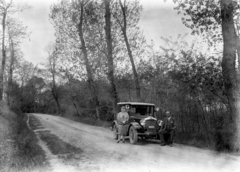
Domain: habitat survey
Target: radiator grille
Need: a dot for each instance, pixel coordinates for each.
(150, 124)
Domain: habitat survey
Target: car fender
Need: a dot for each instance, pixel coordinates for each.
(114, 123)
(135, 125)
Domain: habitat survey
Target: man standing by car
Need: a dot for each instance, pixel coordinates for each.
(122, 120)
(167, 130)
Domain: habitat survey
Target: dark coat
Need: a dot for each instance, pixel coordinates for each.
(168, 125)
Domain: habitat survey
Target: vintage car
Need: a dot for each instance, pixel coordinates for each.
(142, 122)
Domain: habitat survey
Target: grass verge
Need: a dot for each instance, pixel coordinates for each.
(57, 147)
(19, 146)
(60, 148)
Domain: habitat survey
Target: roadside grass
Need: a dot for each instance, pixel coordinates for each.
(29, 155)
(19, 149)
(61, 149)
(7, 143)
(196, 140)
(216, 141)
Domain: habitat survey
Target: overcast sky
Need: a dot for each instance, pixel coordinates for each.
(157, 19)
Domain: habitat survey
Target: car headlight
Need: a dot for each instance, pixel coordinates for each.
(159, 122)
(143, 122)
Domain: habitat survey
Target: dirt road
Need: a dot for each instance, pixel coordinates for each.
(102, 153)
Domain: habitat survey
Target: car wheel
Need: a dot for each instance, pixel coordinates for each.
(115, 131)
(133, 136)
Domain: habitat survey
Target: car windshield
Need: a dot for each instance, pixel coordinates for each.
(141, 110)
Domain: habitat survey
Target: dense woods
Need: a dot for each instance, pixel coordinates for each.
(101, 57)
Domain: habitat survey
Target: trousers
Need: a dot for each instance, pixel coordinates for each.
(167, 137)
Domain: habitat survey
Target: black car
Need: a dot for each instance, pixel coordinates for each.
(142, 121)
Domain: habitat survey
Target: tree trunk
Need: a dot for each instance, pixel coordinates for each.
(124, 31)
(55, 92)
(73, 94)
(238, 54)
(229, 54)
(58, 105)
(237, 30)
(229, 57)
(77, 108)
(9, 89)
(4, 15)
(86, 61)
(56, 98)
(113, 89)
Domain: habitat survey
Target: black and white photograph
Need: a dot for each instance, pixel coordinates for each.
(119, 85)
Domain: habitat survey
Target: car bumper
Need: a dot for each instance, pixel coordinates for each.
(147, 134)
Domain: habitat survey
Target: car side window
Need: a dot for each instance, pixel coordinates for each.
(132, 111)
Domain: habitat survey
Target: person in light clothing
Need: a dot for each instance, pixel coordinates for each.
(122, 120)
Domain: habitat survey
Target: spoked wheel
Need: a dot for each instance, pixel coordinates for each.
(133, 136)
(115, 131)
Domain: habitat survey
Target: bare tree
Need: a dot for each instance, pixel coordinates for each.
(4, 8)
(78, 19)
(113, 90)
(52, 70)
(124, 27)
(15, 32)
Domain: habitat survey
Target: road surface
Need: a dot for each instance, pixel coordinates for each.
(102, 153)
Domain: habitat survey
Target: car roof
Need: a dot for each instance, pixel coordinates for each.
(135, 103)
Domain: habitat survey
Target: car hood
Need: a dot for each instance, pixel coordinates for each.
(139, 117)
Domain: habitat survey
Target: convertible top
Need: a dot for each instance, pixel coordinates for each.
(135, 103)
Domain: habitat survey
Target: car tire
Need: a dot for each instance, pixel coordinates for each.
(133, 136)
(115, 131)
